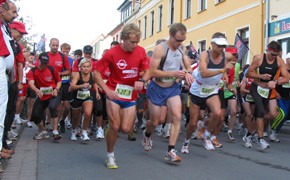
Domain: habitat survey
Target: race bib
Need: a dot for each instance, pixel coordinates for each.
(83, 94)
(124, 91)
(168, 79)
(286, 85)
(206, 89)
(264, 92)
(249, 98)
(65, 78)
(46, 90)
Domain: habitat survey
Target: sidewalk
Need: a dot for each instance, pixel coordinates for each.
(23, 164)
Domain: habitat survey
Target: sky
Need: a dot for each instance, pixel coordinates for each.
(75, 22)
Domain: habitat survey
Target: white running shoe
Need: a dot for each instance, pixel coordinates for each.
(85, 137)
(41, 135)
(100, 133)
(29, 124)
(248, 141)
(207, 143)
(263, 144)
(194, 135)
(111, 163)
(17, 121)
(159, 130)
(147, 142)
(273, 136)
(185, 148)
(73, 135)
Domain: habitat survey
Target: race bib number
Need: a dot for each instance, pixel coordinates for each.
(249, 98)
(46, 90)
(264, 92)
(65, 78)
(124, 91)
(286, 85)
(83, 94)
(206, 89)
(168, 79)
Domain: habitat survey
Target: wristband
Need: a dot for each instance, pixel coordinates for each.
(223, 70)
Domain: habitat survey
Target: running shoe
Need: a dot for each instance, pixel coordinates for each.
(248, 141)
(185, 148)
(159, 130)
(200, 132)
(131, 136)
(207, 142)
(12, 135)
(216, 143)
(255, 138)
(56, 137)
(172, 157)
(41, 135)
(111, 163)
(230, 136)
(17, 121)
(100, 133)
(85, 137)
(67, 123)
(29, 124)
(194, 135)
(273, 137)
(147, 142)
(263, 144)
(73, 135)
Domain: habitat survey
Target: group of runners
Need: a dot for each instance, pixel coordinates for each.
(110, 92)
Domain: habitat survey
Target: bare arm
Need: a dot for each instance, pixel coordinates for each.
(73, 83)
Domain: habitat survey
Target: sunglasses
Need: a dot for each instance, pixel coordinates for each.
(221, 46)
(274, 54)
(179, 40)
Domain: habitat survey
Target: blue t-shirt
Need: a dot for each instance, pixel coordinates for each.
(66, 79)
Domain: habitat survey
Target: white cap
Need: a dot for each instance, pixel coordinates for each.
(288, 55)
(220, 41)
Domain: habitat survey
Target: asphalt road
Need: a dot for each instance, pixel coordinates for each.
(74, 160)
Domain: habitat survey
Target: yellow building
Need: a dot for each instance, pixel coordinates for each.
(202, 19)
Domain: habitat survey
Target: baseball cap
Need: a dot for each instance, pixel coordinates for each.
(288, 55)
(220, 41)
(78, 52)
(19, 26)
(88, 49)
(43, 58)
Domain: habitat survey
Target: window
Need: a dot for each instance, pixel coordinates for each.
(160, 18)
(201, 46)
(245, 34)
(219, 1)
(187, 7)
(139, 24)
(201, 5)
(151, 23)
(145, 28)
(171, 11)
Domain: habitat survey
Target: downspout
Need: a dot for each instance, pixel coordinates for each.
(266, 24)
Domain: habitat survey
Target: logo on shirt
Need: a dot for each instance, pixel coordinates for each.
(122, 64)
(131, 73)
